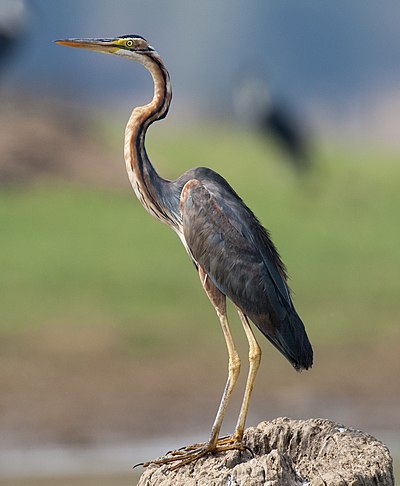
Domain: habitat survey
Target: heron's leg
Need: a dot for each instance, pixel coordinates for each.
(218, 300)
(254, 360)
(190, 454)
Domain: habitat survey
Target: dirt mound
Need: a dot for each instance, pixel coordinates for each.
(292, 452)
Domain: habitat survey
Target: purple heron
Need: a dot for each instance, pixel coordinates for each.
(233, 253)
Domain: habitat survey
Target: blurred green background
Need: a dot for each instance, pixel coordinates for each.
(109, 349)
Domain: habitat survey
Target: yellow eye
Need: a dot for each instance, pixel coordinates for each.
(129, 43)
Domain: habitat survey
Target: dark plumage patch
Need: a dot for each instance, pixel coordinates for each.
(229, 243)
(132, 36)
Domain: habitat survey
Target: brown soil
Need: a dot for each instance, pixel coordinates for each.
(71, 384)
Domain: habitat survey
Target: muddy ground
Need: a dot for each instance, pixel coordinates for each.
(79, 385)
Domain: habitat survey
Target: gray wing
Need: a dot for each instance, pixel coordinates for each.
(229, 243)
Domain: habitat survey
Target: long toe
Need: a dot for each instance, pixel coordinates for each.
(192, 453)
(182, 456)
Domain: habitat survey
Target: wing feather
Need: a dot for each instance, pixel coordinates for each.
(236, 252)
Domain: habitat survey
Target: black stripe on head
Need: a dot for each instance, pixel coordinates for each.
(132, 36)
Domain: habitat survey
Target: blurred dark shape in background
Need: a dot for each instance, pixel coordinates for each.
(13, 26)
(274, 119)
(337, 63)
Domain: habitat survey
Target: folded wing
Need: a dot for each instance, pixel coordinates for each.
(228, 242)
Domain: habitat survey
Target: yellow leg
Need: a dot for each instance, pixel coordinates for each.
(219, 302)
(189, 454)
(254, 360)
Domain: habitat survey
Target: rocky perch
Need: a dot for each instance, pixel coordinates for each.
(288, 452)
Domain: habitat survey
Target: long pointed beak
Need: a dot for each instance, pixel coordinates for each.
(100, 45)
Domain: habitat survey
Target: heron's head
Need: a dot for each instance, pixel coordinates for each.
(132, 46)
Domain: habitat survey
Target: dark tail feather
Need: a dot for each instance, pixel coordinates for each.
(290, 338)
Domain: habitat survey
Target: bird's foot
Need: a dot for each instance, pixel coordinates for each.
(192, 453)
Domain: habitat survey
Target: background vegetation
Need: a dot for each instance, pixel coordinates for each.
(87, 253)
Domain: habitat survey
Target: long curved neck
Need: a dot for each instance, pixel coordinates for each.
(149, 187)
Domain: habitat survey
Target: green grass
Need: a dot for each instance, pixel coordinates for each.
(75, 255)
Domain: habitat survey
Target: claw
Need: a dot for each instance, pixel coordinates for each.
(189, 454)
